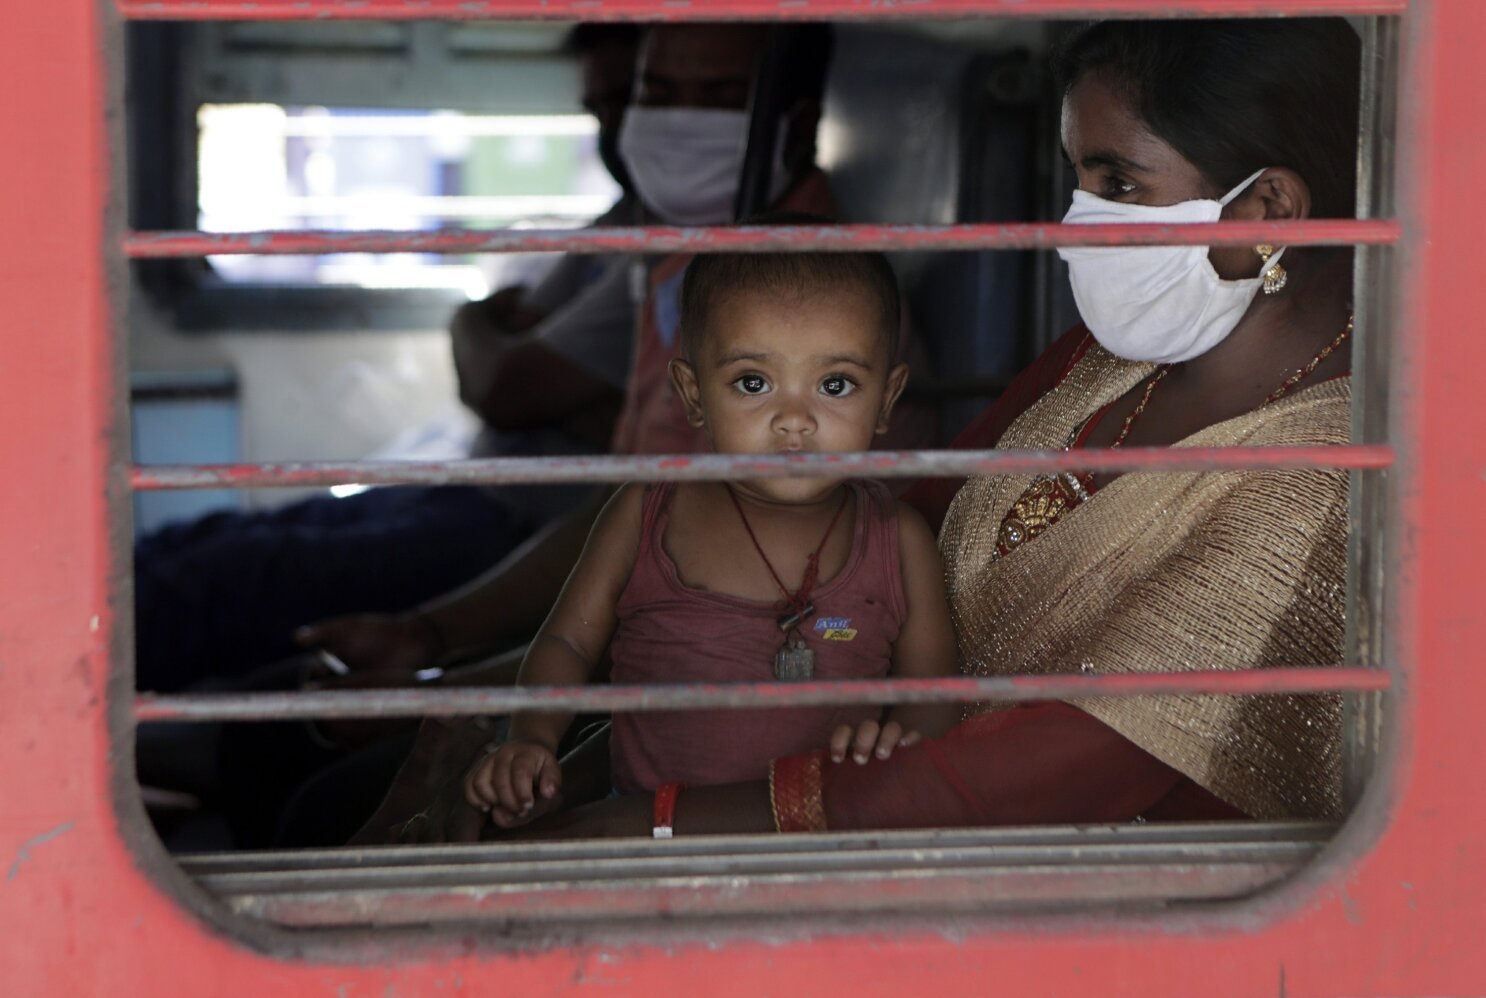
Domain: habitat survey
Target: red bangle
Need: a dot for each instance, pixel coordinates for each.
(665, 809)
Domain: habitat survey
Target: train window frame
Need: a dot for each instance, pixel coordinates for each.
(1357, 836)
(773, 872)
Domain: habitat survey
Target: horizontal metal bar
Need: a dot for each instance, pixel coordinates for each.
(693, 696)
(764, 238)
(937, 869)
(727, 10)
(1203, 838)
(950, 889)
(736, 467)
(511, 873)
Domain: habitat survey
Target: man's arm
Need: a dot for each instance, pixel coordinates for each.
(513, 380)
(507, 603)
(576, 358)
(513, 598)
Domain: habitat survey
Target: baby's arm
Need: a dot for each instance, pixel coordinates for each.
(565, 652)
(925, 648)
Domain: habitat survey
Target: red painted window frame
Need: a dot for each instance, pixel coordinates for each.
(88, 902)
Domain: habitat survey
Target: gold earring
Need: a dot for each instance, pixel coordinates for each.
(1276, 276)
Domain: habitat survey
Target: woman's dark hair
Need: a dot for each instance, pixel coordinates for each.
(1236, 96)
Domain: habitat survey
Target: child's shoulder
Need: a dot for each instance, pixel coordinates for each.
(649, 505)
(626, 507)
(881, 499)
(913, 529)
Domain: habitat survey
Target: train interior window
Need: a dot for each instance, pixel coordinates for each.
(281, 131)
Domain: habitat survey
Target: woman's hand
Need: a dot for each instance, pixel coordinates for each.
(869, 739)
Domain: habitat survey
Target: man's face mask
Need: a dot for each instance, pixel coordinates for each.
(685, 162)
(1164, 304)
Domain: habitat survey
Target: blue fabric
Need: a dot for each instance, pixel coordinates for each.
(667, 308)
(217, 596)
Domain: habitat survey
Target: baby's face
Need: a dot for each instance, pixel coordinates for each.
(788, 375)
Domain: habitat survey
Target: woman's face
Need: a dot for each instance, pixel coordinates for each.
(1117, 157)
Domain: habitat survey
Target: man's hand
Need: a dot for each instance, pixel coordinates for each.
(515, 783)
(501, 312)
(624, 817)
(447, 818)
(868, 739)
(368, 643)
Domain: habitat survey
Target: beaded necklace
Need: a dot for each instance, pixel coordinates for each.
(1050, 497)
(1301, 373)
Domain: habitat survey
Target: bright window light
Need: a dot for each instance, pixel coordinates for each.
(264, 166)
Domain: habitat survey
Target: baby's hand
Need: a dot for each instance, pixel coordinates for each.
(861, 742)
(514, 782)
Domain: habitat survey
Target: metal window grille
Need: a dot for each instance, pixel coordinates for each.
(517, 902)
(62, 610)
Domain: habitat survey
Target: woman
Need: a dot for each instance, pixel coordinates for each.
(1181, 121)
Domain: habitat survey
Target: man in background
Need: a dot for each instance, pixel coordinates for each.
(543, 367)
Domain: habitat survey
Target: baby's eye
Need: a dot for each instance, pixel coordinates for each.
(751, 384)
(837, 386)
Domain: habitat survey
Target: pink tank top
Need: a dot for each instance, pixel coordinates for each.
(671, 633)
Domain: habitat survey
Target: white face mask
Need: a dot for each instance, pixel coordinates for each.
(685, 162)
(1163, 304)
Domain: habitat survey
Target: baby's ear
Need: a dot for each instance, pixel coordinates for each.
(684, 378)
(897, 379)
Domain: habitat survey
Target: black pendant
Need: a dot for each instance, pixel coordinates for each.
(791, 620)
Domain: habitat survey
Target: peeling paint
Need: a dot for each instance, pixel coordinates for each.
(23, 854)
(762, 239)
(770, 693)
(718, 10)
(733, 467)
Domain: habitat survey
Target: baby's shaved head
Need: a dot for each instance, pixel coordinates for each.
(713, 280)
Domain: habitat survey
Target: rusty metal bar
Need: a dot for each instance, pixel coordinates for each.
(735, 467)
(538, 882)
(694, 696)
(1207, 837)
(763, 238)
(970, 888)
(529, 872)
(727, 10)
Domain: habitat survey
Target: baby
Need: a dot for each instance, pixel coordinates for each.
(777, 578)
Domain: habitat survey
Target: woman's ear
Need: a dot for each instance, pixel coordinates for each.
(1280, 194)
(684, 378)
(1283, 194)
(897, 379)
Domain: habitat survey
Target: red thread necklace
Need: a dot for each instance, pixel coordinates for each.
(794, 660)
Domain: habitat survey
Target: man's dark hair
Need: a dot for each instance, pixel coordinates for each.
(586, 37)
(713, 280)
(806, 63)
(1236, 96)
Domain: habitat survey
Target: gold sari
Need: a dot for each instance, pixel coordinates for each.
(1169, 572)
